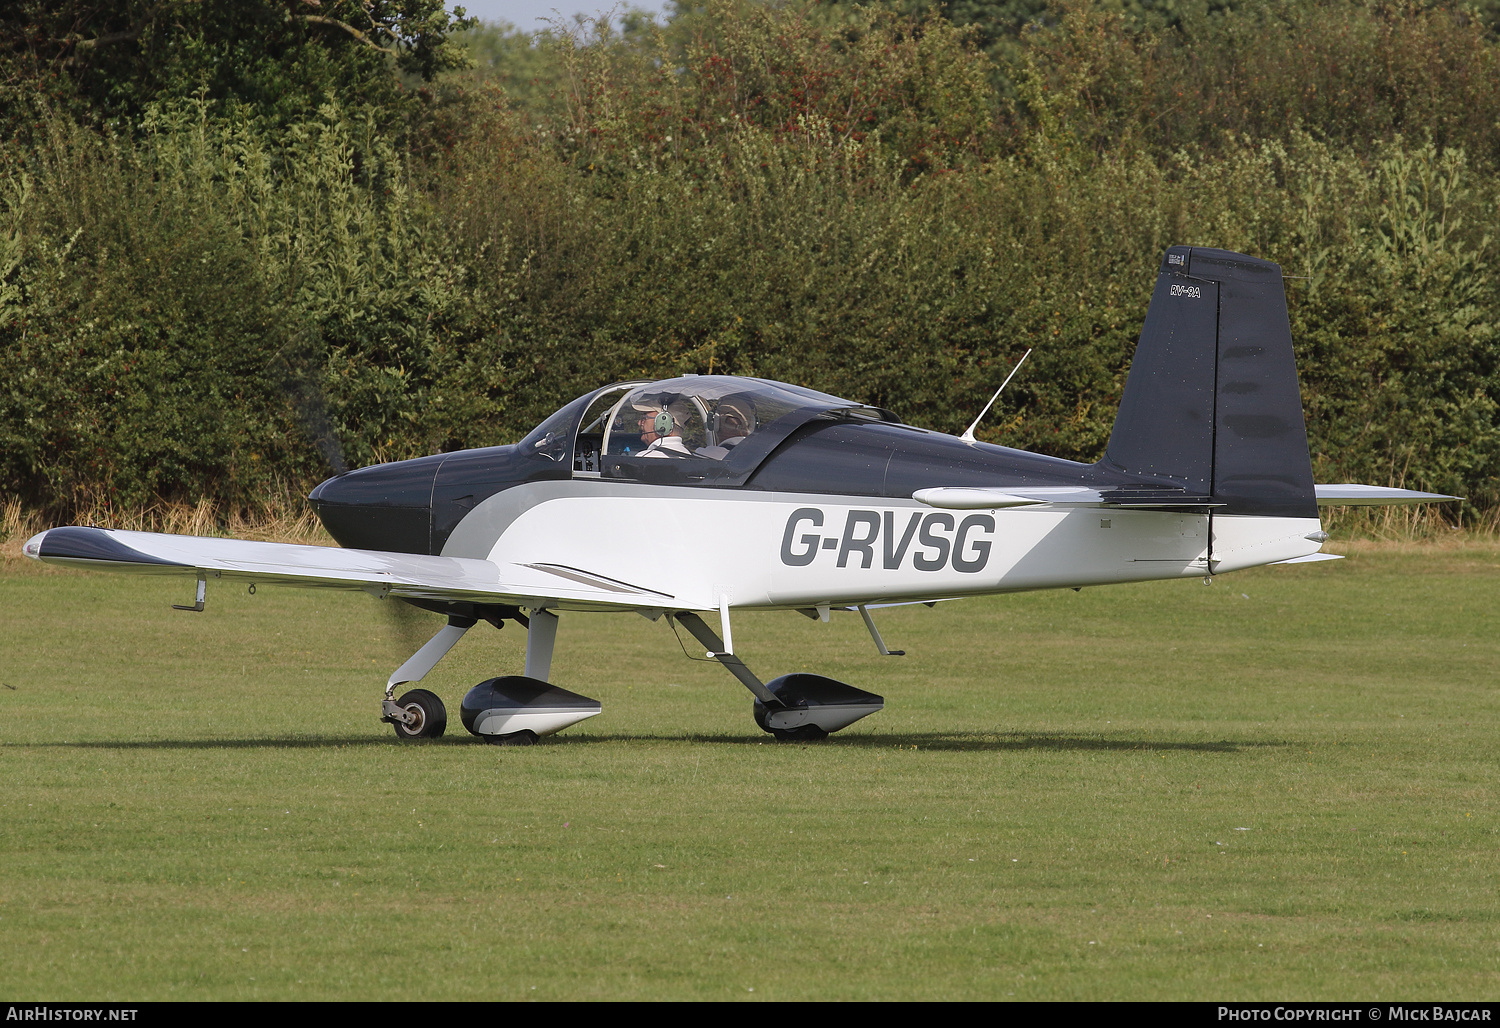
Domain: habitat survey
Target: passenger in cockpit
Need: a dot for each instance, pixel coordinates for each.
(734, 420)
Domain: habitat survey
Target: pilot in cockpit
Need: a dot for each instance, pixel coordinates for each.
(664, 422)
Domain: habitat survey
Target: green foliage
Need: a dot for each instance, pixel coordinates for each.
(133, 325)
(860, 201)
(1401, 325)
(519, 65)
(1353, 72)
(280, 59)
(180, 312)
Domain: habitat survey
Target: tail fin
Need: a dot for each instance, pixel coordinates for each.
(1212, 403)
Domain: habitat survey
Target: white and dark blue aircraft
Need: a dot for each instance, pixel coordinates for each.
(696, 497)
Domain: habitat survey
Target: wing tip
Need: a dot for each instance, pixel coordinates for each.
(77, 544)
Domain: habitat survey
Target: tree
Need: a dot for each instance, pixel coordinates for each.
(282, 58)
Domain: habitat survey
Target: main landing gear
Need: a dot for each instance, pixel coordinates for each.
(514, 710)
(517, 710)
(792, 708)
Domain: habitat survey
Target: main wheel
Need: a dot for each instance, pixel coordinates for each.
(431, 717)
(525, 737)
(760, 713)
(802, 733)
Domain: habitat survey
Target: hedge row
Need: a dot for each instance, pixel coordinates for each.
(200, 306)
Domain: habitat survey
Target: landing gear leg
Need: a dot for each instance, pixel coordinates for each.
(708, 638)
(420, 714)
(793, 708)
(541, 637)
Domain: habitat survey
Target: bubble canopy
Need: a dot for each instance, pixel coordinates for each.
(695, 429)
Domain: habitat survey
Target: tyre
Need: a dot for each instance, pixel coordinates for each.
(431, 716)
(525, 737)
(802, 733)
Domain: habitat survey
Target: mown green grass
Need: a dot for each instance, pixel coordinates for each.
(1280, 786)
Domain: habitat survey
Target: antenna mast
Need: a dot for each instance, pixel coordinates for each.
(968, 435)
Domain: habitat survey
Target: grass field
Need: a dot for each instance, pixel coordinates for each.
(1280, 786)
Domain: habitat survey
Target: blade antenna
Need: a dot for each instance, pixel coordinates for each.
(968, 435)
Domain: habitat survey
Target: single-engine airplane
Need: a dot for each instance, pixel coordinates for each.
(698, 496)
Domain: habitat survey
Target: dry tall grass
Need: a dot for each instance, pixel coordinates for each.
(288, 520)
(1420, 524)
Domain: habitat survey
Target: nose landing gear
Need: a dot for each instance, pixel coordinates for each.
(418, 714)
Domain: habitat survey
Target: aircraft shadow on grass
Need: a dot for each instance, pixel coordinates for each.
(1010, 742)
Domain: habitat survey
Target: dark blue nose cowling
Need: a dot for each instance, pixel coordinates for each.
(413, 506)
(385, 507)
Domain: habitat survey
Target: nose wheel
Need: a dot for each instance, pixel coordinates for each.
(418, 714)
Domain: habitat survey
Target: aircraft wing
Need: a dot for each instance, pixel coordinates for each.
(413, 575)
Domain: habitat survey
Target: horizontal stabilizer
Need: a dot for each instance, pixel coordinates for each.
(1350, 495)
(1310, 558)
(975, 498)
(987, 498)
(990, 498)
